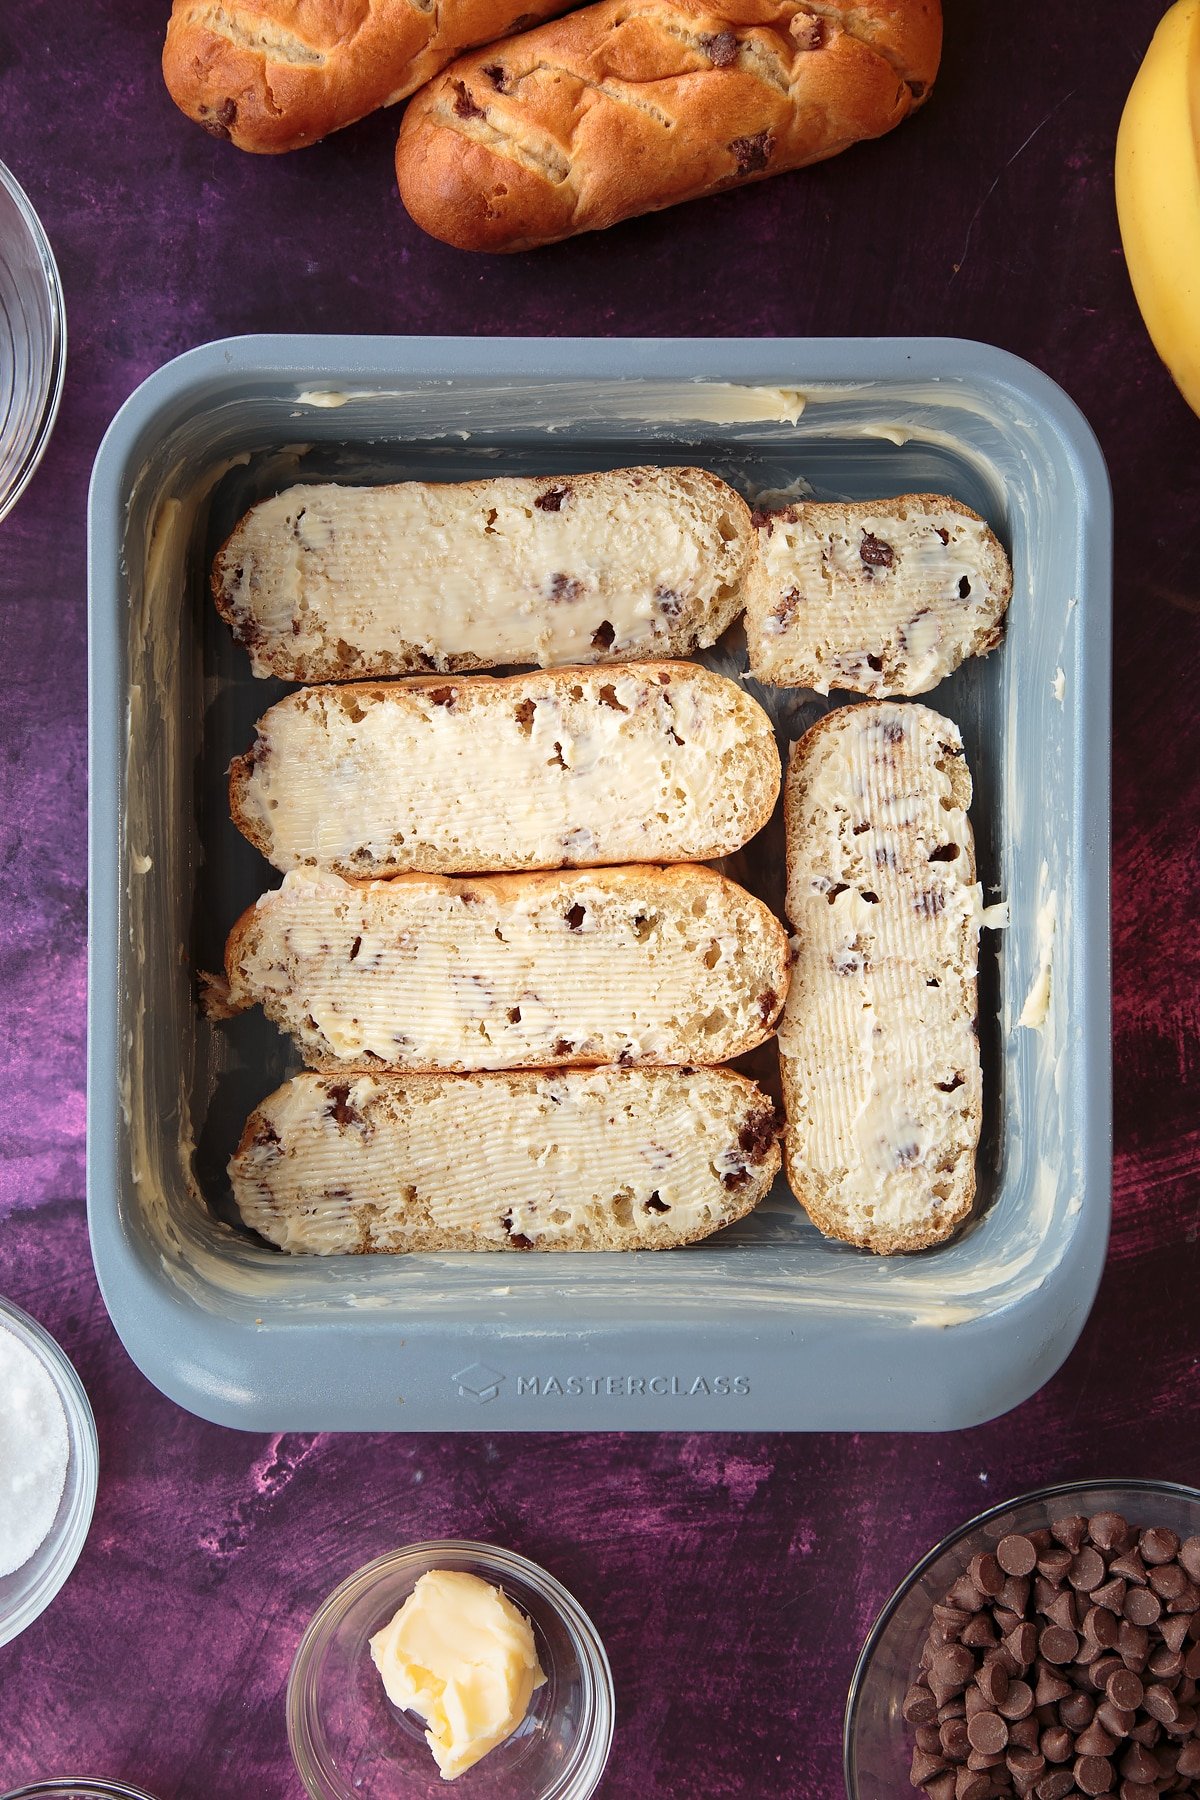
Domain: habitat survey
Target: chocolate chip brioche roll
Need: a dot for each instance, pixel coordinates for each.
(272, 75)
(878, 1044)
(632, 105)
(587, 1159)
(646, 762)
(630, 966)
(329, 582)
(878, 597)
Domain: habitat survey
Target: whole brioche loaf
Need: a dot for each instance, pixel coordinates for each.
(878, 1044)
(631, 105)
(875, 597)
(587, 1159)
(471, 774)
(633, 965)
(336, 583)
(274, 75)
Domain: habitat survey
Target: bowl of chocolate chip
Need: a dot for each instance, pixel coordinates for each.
(1051, 1648)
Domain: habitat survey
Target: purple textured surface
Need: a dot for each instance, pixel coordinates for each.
(732, 1577)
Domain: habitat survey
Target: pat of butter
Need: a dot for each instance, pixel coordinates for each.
(461, 1655)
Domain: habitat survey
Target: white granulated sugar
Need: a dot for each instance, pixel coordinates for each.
(33, 1453)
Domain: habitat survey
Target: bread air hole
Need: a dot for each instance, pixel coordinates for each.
(712, 955)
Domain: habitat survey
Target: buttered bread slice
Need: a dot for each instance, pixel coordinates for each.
(631, 965)
(647, 762)
(597, 1159)
(878, 1042)
(876, 597)
(332, 583)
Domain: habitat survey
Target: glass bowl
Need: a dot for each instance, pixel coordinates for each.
(33, 340)
(348, 1739)
(30, 1589)
(82, 1787)
(876, 1741)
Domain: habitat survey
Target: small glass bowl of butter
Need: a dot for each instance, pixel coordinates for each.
(348, 1738)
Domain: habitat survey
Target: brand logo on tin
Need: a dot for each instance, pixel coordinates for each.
(478, 1383)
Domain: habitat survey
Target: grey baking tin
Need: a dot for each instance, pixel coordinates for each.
(767, 1326)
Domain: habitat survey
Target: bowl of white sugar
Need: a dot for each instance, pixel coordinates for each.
(49, 1463)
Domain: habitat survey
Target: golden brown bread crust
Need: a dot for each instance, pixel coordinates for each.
(631, 105)
(272, 75)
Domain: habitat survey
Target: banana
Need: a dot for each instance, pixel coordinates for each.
(1158, 193)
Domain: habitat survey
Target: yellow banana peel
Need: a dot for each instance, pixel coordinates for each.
(1158, 193)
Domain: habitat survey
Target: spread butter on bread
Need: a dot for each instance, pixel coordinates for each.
(272, 75)
(878, 1043)
(875, 597)
(339, 583)
(595, 1159)
(629, 965)
(645, 762)
(627, 106)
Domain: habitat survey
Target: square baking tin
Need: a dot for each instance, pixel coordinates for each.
(767, 1326)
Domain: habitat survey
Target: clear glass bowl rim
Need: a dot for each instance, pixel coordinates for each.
(94, 1787)
(1057, 1490)
(57, 370)
(66, 1545)
(582, 1779)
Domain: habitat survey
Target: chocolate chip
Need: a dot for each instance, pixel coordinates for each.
(721, 49)
(1087, 1571)
(575, 916)
(964, 589)
(1077, 1711)
(875, 552)
(517, 1239)
(1056, 1743)
(497, 74)
(355, 947)
(1116, 1720)
(1018, 1702)
(1055, 1786)
(1093, 1774)
(340, 1109)
(1058, 1644)
(988, 1733)
(1109, 1531)
(1168, 1580)
(1054, 1563)
(602, 637)
(552, 499)
(1070, 1532)
(464, 105)
(1161, 1704)
(1095, 1741)
(219, 122)
(1189, 1556)
(986, 1573)
(993, 1684)
(752, 154)
(565, 587)
(757, 1135)
(1158, 1545)
(1141, 1606)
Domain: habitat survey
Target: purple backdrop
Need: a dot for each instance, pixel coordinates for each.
(732, 1577)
